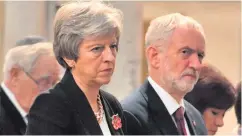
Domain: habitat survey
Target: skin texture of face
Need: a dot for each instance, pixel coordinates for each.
(27, 85)
(183, 59)
(175, 64)
(213, 118)
(96, 61)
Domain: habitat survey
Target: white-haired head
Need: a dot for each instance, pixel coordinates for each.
(25, 57)
(161, 28)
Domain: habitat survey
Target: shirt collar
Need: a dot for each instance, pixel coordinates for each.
(14, 101)
(170, 103)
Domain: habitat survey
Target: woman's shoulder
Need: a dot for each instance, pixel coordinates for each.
(52, 95)
(49, 100)
(50, 105)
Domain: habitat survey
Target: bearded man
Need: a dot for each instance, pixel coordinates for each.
(175, 48)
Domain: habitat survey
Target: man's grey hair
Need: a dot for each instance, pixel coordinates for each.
(161, 28)
(76, 21)
(29, 40)
(25, 57)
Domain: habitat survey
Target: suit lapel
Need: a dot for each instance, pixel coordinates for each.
(160, 114)
(108, 114)
(14, 116)
(80, 104)
(190, 121)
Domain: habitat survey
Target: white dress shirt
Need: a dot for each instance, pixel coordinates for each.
(14, 101)
(170, 103)
(104, 126)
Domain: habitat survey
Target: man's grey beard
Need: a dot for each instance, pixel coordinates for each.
(179, 84)
(183, 87)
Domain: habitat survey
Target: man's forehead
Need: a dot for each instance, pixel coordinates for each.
(192, 38)
(42, 70)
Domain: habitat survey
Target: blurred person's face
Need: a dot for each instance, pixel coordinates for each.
(96, 61)
(29, 84)
(181, 61)
(213, 118)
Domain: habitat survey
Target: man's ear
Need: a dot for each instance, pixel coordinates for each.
(14, 74)
(70, 63)
(153, 56)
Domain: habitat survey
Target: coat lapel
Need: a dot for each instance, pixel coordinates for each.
(160, 114)
(80, 104)
(108, 114)
(190, 121)
(13, 113)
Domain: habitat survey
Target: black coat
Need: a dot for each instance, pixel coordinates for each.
(11, 121)
(65, 110)
(146, 114)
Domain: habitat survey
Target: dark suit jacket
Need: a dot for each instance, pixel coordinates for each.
(146, 114)
(11, 122)
(65, 110)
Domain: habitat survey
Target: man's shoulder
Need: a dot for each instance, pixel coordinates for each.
(8, 117)
(4, 118)
(196, 117)
(136, 103)
(3, 114)
(134, 98)
(5, 104)
(6, 124)
(189, 107)
(138, 96)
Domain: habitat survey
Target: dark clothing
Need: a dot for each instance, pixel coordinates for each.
(65, 110)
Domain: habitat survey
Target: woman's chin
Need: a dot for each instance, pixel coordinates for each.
(211, 132)
(104, 81)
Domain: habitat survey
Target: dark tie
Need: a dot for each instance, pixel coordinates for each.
(180, 122)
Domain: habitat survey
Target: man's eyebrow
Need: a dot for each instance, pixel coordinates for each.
(193, 50)
(187, 47)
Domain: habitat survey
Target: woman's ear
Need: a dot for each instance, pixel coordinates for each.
(70, 63)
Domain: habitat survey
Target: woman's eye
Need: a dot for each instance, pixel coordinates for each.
(97, 49)
(214, 113)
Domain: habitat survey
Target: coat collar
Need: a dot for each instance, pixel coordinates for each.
(159, 112)
(190, 120)
(109, 113)
(82, 107)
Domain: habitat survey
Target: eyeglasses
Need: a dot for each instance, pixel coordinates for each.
(43, 83)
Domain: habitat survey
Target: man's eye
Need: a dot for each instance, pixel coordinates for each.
(201, 56)
(186, 51)
(114, 46)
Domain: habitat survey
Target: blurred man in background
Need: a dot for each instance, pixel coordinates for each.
(28, 71)
(30, 40)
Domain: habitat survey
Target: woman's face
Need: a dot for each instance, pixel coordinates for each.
(96, 61)
(213, 118)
